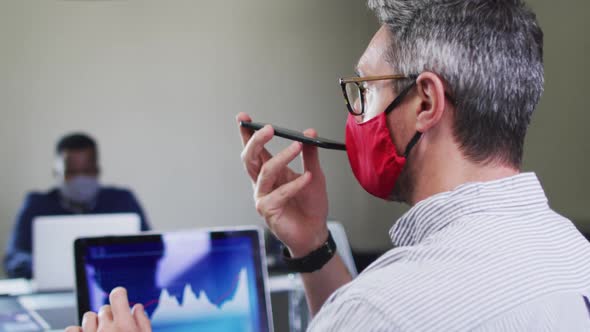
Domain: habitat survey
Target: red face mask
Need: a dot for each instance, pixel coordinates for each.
(372, 155)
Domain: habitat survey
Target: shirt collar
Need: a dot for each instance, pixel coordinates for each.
(76, 208)
(513, 194)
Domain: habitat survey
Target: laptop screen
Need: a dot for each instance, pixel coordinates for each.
(187, 281)
(53, 237)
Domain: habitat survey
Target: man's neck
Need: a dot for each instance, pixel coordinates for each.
(76, 207)
(450, 169)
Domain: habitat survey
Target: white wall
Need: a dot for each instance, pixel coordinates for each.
(159, 83)
(558, 142)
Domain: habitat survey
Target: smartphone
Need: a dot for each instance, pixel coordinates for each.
(297, 136)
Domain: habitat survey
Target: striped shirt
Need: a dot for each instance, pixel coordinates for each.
(487, 256)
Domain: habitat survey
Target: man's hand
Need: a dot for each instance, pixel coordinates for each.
(295, 206)
(116, 317)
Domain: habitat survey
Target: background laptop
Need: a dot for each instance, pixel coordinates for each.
(53, 244)
(200, 280)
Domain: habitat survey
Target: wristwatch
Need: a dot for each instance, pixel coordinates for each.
(315, 260)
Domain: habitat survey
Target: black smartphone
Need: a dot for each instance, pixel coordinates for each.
(297, 136)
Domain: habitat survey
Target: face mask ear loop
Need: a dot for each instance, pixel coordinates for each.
(398, 100)
(412, 142)
(395, 103)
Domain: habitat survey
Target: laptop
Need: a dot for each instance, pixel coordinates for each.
(53, 244)
(197, 280)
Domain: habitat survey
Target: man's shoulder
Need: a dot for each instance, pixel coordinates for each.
(383, 280)
(112, 191)
(37, 203)
(372, 300)
(354, 313)
(34, 198)
(447, 279)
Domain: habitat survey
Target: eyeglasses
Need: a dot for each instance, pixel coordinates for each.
(354, 91)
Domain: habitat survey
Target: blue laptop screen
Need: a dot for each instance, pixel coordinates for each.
(189, 281)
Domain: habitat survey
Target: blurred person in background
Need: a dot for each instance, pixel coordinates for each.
(78, 191)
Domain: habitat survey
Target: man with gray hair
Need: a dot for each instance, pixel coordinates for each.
(437, 119)
(438, 116)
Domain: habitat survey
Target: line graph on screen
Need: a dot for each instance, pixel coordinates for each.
(194, 307)
(189, 293)
(229, 312)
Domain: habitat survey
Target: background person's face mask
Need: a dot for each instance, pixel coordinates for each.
(80, 189)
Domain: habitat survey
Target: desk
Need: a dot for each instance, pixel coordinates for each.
(55, 311)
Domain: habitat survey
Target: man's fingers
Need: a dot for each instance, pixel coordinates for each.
(105, 317)
(76, 329)
(274, 167)
(311, 158)
(245, 133)
(141, 318)
(90, 322)
(120, 307)
(254, 154)
(279, 197)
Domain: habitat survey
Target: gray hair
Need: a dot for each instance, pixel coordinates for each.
(489, 52)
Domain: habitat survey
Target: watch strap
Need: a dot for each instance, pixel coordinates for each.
(313, 261)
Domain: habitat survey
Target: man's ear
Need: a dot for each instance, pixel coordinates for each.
(431, 91)
(58, 168)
